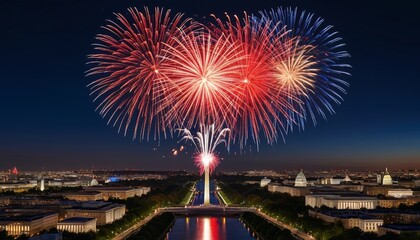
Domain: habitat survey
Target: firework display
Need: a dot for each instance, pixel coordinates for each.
(260, 103)
(314, 63)
(205, 142)
(201, 68)
(255, 76)
(131, 86)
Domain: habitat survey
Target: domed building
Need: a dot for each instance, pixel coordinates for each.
(264, 182)
(347, 178)
(387, 179)
(300, 180)
(93, 182)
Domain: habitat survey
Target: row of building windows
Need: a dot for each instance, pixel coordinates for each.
(16, 229)
(355, 205)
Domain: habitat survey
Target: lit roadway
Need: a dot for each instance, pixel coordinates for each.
(206, 210)
(297, 233)
(135, 227)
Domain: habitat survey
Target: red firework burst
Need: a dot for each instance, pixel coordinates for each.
(131, 89)
(202, 68)
(261, 101)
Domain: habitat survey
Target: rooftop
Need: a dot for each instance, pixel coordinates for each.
(368, 212)
(76, 220)
(84, 193)
(350, 198)
(348, 214)
(99, 188)
(98, 205)
(23, 217)
(402, 227)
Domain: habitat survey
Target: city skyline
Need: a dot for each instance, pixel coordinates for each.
(48, 119)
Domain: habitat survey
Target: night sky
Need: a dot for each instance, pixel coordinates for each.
(48, 120)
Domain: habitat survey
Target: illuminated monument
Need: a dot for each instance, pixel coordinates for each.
(205, 142)
(206, 160)
(387, 179)
(206, 185)
(300, 180)
(384, 178)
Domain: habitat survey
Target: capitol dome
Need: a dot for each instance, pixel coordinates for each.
(300, 180)
(387, 179)
(93, 182)
(347, 178)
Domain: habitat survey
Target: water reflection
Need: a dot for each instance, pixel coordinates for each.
(206, 233)
(208, 228)
(187, 222)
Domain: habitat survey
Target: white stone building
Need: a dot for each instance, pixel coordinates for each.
(264, 182)
(339, 202)
(77, 225)
(300, 180)
(398, 193)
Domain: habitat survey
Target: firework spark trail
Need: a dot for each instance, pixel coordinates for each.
(131, 87)
(261, 100)
(205, 143)
(325, 48)
(296, 70)
(201, 69)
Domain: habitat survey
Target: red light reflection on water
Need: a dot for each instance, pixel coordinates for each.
(210, 228)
